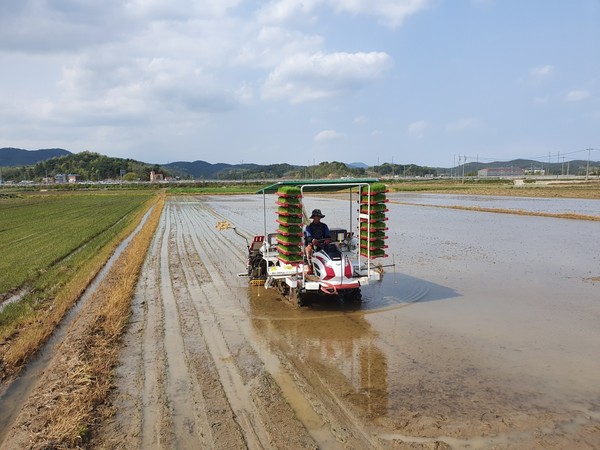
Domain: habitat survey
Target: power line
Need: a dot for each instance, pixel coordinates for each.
(534, 158)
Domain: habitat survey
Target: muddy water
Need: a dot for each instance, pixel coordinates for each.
(545, 205)
(484, 334)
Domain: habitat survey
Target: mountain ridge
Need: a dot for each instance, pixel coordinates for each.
(199, 169)
(13, 157)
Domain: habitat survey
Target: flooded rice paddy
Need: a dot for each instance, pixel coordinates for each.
(484, 334)
(528, 204)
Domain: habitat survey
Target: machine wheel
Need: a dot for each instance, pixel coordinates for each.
(258, 268)
(354, 295)
(292, 296)
(303, 299)
(282, 288)
(298, 298)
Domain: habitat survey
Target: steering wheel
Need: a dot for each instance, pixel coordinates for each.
(321, 242)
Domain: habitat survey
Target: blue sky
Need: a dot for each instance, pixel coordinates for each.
(303, 81)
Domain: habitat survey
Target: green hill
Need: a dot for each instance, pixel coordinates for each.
(89, 166)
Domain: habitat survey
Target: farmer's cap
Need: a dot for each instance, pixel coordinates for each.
(316, 212)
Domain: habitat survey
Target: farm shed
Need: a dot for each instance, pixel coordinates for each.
(500, 172)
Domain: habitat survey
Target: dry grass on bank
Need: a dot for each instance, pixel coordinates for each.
(73, 395)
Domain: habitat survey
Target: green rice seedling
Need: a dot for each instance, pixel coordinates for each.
(287, 210)
(290, 230)
(373, 208)
(289, 220)
(290, 201)
(289, 249)
(289, 240)
(373, 234)
(289, 191)
(291, 259)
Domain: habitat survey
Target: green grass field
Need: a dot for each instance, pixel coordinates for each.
(216, 189)
(39, 233)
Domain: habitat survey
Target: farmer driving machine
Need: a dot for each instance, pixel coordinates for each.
(341, 263)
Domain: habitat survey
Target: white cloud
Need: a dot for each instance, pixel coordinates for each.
(464, 124)
(542, 71)
(327, 135)
(392, 13)
(156, 61)
(576, 96)
(280, 11)
(303, 77)
(417, 129)
(360, 120)
(269, 45)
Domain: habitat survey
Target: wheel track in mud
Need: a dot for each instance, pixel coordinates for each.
(250, 390)
(344, 425)
(173, 398)
(187, 390)
(204, 376)
(200, 317)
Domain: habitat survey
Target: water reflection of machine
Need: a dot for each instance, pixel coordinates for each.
(333, 346)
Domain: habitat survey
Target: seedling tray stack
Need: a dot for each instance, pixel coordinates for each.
(372, 221)
(289, 232)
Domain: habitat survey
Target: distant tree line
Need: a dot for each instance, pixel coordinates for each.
(89, 166)
(401, 170)
(96, 167)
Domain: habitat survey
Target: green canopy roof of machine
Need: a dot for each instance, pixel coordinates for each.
(318, 185)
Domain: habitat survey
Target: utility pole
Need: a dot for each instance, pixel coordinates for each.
(587, 169)
(453, 174)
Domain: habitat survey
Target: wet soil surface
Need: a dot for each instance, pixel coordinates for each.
(484, 335)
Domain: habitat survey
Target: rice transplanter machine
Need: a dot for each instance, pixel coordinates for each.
(340, 265)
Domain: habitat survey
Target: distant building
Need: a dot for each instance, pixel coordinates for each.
(501, 172)
(73, 178)
(156, 177)
(535, 172)
(60, 178)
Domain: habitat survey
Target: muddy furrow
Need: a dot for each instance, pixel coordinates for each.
(231, 381)
(174, 399)
(216, 347)
(141, 401)
(196, 370)
(182, 394)
(310, 382)
(261, 409)
(303, 395)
